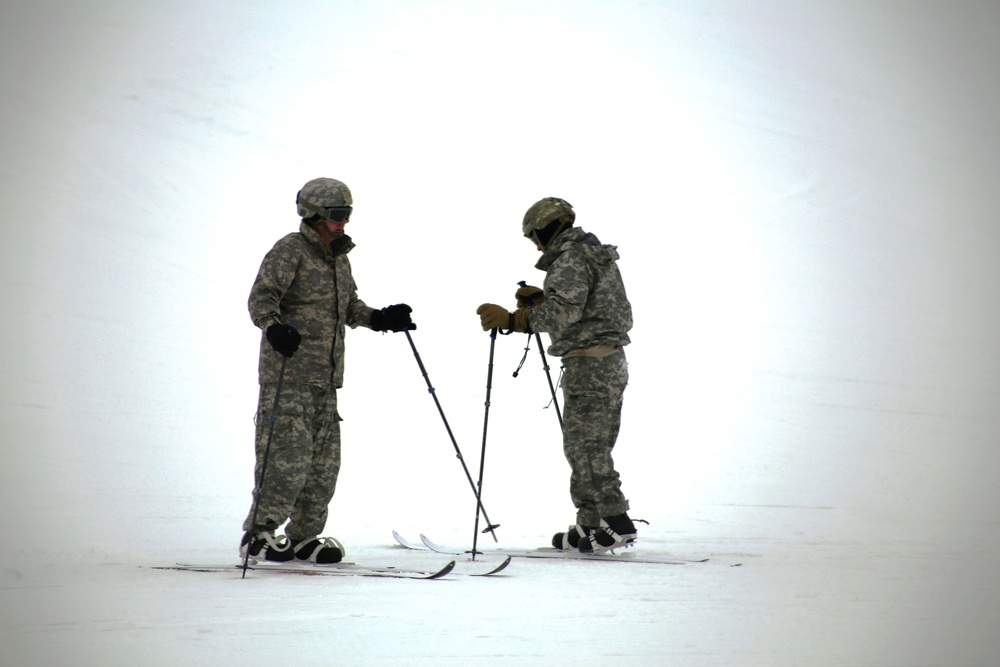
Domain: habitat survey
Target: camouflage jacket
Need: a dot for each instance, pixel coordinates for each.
(303, 282)
(585, 302)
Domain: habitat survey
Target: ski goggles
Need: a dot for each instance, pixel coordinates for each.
(335, 213)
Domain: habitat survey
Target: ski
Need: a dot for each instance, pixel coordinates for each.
(497, 568)
(413, 545)
(548, 552)
(337, 569)
(407, 543)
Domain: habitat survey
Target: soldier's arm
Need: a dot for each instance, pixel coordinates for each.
(277, 271)
(358, 312)
(567, 285)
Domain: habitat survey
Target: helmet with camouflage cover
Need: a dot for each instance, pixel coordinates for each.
(320, 195)
(543, 213)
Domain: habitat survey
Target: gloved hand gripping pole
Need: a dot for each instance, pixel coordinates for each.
(490, 527)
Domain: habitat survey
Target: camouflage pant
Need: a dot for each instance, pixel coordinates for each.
(592, 408)
(303, 462)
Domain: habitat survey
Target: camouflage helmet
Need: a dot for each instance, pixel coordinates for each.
(321, 194)
(545, 211)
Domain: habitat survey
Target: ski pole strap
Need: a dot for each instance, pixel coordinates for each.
(510, 325)
(523, 357)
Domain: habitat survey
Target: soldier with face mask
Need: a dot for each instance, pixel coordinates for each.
(583, 307)
(303, 299)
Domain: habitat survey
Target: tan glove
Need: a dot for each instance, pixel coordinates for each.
(529, 295)
(521, 320)
(492, 316)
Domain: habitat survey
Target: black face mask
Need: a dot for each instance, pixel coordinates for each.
(548, 232)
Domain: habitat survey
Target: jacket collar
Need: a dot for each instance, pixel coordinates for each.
(340, 246)
(558, 246)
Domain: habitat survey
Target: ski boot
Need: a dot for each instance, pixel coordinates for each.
(570, 540)
(615, 532)
(264, 546)
(319, 550)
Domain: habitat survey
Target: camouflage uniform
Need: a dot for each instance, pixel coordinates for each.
(587, 316)
(303, 282)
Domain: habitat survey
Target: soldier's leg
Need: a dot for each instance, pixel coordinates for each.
(309, 514)
(289, 455)
(592, 393)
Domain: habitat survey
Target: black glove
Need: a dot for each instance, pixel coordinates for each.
(284, 338)
(392, 318)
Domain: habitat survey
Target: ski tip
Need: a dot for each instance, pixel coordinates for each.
(403, 542)
(433, 546)
(443, 571)
(503, 565)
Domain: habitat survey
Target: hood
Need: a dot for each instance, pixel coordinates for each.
(579, 240)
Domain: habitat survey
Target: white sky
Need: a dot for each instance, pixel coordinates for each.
(786, 186)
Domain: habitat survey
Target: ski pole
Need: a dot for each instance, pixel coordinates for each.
(263, 467)
(545, 364)
(490, 527)
(482, 454)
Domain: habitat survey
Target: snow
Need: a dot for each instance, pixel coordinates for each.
(803, 197)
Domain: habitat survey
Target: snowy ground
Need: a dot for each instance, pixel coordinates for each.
(804, 200)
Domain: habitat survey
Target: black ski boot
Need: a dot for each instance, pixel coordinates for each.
(264, 546)
(615, 531)
(319, 550)
(570, 540)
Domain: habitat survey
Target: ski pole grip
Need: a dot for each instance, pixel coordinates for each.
(531, 301)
